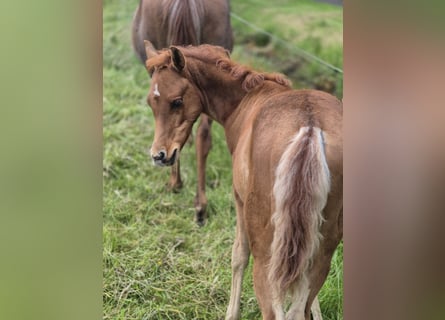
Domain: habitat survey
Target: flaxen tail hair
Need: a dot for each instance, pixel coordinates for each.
(301, 189)
(184, 21)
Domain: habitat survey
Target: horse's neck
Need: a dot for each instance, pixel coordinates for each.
(222, 100)
(226, 102)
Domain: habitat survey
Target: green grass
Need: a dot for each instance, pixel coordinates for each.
(157, 264)
(311, 26)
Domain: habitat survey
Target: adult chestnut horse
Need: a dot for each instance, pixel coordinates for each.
(185, 22)
(286, 148)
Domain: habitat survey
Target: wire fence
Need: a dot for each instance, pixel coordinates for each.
(303, 53)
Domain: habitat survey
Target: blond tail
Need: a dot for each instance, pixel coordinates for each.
(301, 189)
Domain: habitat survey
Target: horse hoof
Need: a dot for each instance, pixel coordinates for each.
(175, 188)
(201, 217)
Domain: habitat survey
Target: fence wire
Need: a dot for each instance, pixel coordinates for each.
(307, 55)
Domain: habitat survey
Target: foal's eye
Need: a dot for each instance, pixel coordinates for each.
(176, 103)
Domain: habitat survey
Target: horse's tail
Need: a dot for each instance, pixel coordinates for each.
(185, 20)
(301, 188)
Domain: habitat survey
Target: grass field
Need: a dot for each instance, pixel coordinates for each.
(157, 263)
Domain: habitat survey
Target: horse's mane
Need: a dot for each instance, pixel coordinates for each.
(219, 57)
(183, 21)
(251, 78)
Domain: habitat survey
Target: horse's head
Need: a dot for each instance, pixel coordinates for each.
(175, 103)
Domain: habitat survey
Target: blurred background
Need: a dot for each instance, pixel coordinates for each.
(56, 77)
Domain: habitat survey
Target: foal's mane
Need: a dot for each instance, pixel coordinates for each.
(219, 57)
(250, 78)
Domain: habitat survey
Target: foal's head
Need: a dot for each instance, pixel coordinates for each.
(175, 101)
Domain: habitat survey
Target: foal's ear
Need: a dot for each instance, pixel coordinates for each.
(177, 58)
(150, 50)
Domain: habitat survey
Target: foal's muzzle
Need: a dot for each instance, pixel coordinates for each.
(160, 159)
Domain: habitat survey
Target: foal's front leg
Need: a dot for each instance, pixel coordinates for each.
(203, 145)
(240, 259)
(175, 182)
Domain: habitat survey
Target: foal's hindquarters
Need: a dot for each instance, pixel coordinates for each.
(274, 122)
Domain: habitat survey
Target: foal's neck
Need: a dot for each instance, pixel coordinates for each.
(226, 100)
(234, 108)
(222, 98)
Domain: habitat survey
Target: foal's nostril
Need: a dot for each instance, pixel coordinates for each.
(160, 156)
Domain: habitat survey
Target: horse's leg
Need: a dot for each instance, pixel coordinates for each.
(203, 145)
(240, 259)
(316, 310)
(317, 275)
(332, 235)
(297, 309)
(175, 182)
(260, 234)
(270, 309)
(300, 297)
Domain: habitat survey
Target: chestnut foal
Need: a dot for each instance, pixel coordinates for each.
(286, 148)
(185, 22)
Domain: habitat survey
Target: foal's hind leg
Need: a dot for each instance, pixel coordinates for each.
(316, 310)
(240, 259)
(300, 297)
(175, 182)
(297, 310)
(296, 313)
(203, 145)
(332, 233)
(270, 309)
